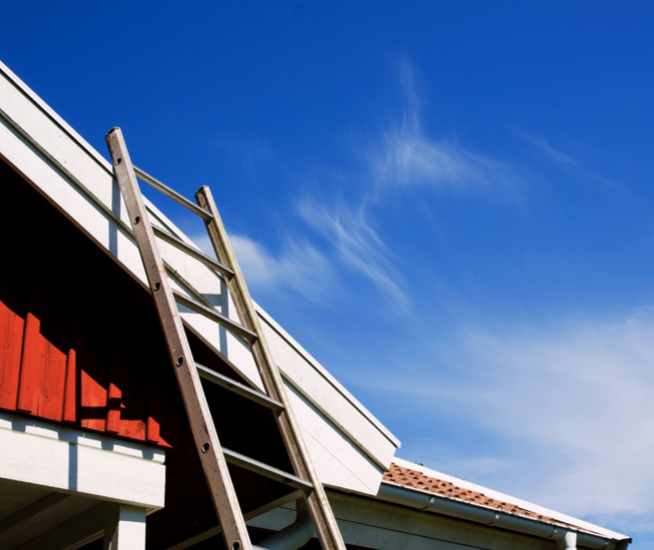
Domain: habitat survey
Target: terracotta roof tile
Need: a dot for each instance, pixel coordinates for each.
(418, 480)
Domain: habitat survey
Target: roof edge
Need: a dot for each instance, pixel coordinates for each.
(530, 506)
(50, 113)
(326, 375)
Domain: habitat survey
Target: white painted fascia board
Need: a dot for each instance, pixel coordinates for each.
(64, 459)
(327, 376)
(52, 430)
(463, 484)
(28, 92)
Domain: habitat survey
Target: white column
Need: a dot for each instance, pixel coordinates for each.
(124, 527)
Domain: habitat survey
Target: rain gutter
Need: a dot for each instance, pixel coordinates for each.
(566, 538)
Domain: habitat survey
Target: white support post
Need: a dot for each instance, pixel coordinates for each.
(124, 527)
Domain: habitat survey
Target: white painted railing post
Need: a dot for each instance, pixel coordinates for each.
(124, 527)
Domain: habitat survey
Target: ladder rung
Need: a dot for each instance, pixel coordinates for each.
(236, 387)
(252, 465)
(200, 256)
(162, 187)
(215, 316)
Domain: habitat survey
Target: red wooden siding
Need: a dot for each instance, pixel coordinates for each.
(79, 340)
(53, 366)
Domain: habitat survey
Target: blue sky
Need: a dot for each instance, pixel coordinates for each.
(449, 204)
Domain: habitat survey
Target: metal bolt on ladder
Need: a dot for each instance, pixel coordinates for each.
(215, 458)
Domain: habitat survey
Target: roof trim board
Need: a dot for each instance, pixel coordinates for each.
(51, 114)
(326, 375)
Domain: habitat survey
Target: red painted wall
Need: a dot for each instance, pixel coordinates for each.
(54, 366)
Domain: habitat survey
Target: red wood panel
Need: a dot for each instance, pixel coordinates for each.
(55, 369)
(70, 389)
(12, 327)
(31, 358)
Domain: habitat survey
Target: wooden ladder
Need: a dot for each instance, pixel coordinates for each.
(214, 458)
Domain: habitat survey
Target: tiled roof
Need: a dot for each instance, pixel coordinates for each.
(417, 480)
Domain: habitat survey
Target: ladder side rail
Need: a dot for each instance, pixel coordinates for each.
(206, 439)
(319, 507)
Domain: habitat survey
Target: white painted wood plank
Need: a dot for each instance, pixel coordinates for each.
(60, 432)
(78, 469)
(392, 518)
(96, 176)
(48, 111)
(44, 520)
(14, 496)
(266, 318)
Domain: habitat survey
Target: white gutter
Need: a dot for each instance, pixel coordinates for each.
(566, 538)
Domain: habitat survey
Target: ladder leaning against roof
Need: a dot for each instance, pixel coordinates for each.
(214, 458)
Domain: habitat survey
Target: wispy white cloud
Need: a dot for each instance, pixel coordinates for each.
(573, 404)
(299, 266)
(358, 247)
(406, 155)
(400, 157)
(565, 161)
(543, 145)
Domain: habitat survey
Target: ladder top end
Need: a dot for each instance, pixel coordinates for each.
(112, 130)
(202, 189)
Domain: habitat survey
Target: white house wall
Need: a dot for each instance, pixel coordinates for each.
(79, 181)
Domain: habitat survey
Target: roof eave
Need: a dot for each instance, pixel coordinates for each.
(492, 517)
